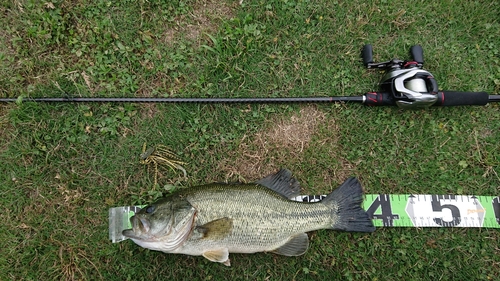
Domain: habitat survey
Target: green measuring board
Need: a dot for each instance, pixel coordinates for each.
(431, 210)
(386, 210)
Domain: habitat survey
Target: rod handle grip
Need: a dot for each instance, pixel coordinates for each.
(378, 99)
(452, 98)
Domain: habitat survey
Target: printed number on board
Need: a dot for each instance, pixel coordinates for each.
(382, 203)
(438, 207)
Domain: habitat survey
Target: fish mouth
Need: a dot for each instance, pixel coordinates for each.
(140, 228)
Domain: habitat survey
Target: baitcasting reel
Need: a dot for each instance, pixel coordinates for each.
(405, 82)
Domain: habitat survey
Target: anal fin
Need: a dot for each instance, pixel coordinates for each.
(295, 246)
(220, 255)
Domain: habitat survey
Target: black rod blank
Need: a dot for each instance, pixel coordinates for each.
(193, 100)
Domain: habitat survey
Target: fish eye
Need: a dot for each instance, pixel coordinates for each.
(150, 209)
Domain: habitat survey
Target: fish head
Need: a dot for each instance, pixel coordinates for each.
(166, 222)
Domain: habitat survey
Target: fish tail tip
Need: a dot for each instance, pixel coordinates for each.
(348, 215)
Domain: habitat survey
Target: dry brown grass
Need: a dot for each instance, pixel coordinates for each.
(284, 143)
(204, 18)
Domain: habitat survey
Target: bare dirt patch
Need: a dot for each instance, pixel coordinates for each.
(293, 142)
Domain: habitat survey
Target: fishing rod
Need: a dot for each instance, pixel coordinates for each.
(404, 84)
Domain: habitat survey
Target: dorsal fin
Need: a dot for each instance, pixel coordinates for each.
(282, 182)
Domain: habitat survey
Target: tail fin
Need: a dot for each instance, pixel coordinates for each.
(348, 215)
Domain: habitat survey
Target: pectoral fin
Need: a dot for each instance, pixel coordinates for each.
(220, 255)
(216, 229)
(295, 246)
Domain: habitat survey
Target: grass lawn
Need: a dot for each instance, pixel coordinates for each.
(62, 166)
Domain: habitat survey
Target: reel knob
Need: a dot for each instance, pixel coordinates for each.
(367, 55)
(417, 53)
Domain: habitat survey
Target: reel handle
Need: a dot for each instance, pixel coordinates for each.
(417, 53)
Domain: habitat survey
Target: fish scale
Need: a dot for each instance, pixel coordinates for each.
(254, 226)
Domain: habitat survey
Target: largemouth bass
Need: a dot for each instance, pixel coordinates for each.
(214, 220)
